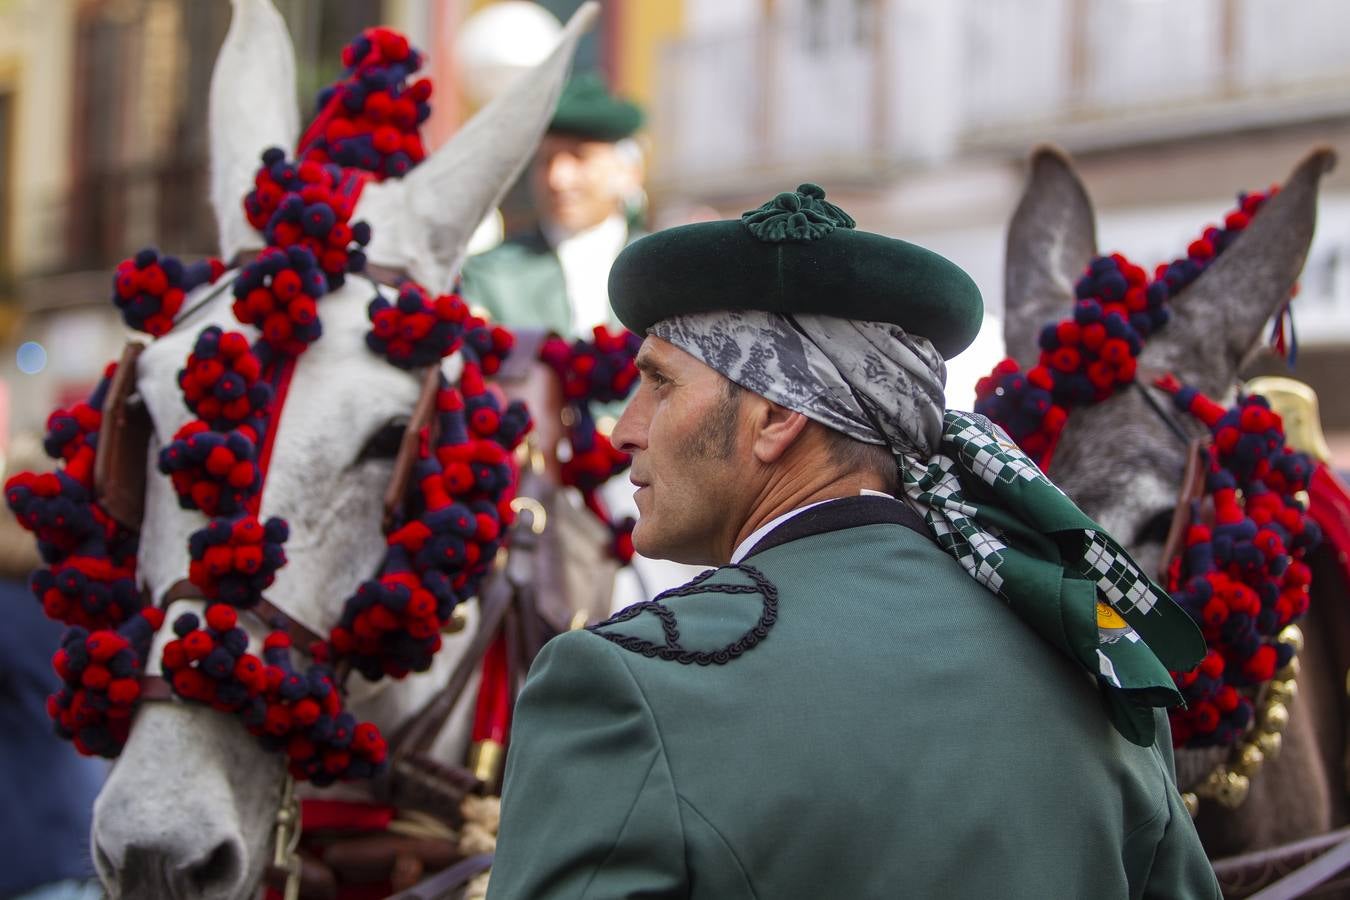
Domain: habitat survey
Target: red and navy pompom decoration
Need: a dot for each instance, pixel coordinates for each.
(212, 664)
(215, 472)
(149, 288)
(1242, 574)
(235, 560)
(601, 370)
(369, 119)
(222, 384)
(451, 532)
(299, 714)
(1087, 357)
(597, 371)
(416, 331)
(305, 720)
(487, 344)
(91, 559)
(100, 674)
(279, 293)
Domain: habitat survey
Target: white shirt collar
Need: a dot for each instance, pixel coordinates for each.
(744, 547)
(586, 257)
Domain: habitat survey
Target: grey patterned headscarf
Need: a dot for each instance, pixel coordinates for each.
(986, 502)
(871, 380)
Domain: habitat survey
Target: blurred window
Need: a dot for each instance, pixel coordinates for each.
(6, 189)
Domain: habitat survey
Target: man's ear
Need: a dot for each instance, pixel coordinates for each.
(777, 428)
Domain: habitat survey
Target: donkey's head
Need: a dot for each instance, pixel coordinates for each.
(1119, 459)
(189, 807)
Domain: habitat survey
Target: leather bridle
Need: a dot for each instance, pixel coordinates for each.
(413, 779)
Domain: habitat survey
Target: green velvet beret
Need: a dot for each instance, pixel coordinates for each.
(797, 253)
(586, 109)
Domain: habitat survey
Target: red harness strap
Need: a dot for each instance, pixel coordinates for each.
(1329, 506)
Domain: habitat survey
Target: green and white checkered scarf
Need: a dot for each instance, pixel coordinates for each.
(986, 502)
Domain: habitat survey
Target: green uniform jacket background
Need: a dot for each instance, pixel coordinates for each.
(520, 282)
(898, 733)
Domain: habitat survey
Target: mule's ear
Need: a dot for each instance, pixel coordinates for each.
(423, 221)
(1051, 240)
(252, 107)
(1218, 320)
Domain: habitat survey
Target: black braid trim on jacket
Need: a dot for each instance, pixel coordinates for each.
(672, 650)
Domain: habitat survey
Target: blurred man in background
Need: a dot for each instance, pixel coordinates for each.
(586, 181)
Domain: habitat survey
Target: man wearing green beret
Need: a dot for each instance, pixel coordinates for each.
(918, 670)
(586, 170)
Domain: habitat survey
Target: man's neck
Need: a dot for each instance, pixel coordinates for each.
(791, 491)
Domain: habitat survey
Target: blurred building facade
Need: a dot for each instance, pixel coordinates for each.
(916, 115)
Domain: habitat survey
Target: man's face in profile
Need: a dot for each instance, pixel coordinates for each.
(578, 183)
(682, 428)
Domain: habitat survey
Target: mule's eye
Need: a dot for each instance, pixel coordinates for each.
(1156, 528)
(384, 443)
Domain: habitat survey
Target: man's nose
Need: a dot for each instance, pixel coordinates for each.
(561, 171)
(630, 432)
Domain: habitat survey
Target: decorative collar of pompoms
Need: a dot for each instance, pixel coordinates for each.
(448, 530)
(1088, 356)
(1242, 573)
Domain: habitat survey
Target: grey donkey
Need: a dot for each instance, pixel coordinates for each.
(1123, 465)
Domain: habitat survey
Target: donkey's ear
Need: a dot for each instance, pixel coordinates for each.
(423, 221)
(1051, 240)
(1218, 320)
(252, 108)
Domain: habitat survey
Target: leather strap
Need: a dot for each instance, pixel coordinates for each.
(409, 449)
(1302, 880)
(1192, 488)
(440, 885)
(389, 276)
(497, 594)
(123, 441)
(1242, 876)
(271, 615)
(420, 733)
(155, 689)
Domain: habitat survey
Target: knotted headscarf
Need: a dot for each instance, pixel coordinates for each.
(986, 502)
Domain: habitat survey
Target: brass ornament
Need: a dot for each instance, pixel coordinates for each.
(1228, 783)
(1270, 744)
(1225, 787)
(1293, 636)
(1250, 760)
(1274, 717)
(1283, 692)
(459, 617)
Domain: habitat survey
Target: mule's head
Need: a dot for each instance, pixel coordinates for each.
(189, 806)
(1118, 459)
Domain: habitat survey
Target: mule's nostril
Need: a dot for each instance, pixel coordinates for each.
(219, 870)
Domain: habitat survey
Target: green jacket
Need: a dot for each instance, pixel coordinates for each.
(519, 282)
(896, 732)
